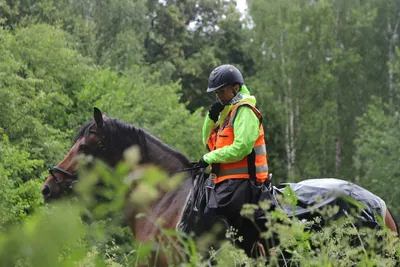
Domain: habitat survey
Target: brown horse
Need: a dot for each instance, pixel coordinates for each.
(107, 138)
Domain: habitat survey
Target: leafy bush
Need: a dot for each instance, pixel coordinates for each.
(17, 198)
(85, 232)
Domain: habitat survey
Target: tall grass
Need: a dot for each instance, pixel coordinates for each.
(89, 230)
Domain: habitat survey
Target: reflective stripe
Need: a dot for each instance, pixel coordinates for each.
(233, 171)
(260, 150)
(259, 169)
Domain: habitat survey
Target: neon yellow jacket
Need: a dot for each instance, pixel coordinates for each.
(245, 128)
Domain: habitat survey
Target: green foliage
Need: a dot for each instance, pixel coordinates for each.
(296, 42)
(33, 244)
(377, 158)
(339, 243)
(17, 199)
(317, 65)
(17, 163)
(57, 236)
(127, 98)
(313, 66)
(38, 75)
(119, 31)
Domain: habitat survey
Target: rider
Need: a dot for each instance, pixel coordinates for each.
(234, 135)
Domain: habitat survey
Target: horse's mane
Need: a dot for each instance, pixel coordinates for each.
(120, 135)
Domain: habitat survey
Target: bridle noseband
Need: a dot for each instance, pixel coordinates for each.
(63, 184)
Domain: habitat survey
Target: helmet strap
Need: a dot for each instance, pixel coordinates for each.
(235, 99)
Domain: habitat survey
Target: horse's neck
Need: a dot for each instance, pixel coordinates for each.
(171, 203)
(157, 154)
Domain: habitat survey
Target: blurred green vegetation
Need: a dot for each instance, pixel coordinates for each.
(82, 231)
(325, 74)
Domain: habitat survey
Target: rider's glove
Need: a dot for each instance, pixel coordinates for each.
(214, 111)
(202, 163)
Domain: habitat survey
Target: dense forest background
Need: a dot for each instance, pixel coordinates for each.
(325, 74)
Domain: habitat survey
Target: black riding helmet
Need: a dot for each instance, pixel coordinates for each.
(223, 75)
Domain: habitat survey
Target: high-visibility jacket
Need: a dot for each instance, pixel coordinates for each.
(253, 165)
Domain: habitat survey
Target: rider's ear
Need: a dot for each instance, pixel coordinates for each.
(236, 88)
(98, 117)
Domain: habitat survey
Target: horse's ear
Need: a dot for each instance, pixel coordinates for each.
(98, 117)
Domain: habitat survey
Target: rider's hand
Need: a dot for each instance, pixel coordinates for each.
(202, 163)
(214, 111)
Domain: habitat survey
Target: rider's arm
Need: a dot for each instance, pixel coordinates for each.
(246, 128)
(208, 126)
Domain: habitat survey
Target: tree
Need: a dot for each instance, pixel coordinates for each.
(128, 98)
(39, 72)
(377, 154)
(322, 60)
(293, 49)
(17, 199)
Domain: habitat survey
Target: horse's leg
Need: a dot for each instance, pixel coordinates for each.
(146, 232)
(166, 249)
(391, 222)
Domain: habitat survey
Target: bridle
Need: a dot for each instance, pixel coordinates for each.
(65, 184)
(72, 178)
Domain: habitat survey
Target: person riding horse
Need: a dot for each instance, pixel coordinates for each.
(108, 138)
(234, 135)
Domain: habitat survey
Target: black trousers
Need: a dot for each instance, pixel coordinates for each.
(225, 200)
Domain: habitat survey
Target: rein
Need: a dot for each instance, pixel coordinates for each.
(195, 167)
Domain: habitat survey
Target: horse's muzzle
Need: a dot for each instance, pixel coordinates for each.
(46, 192)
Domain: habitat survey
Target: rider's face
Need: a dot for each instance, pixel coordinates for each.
(226, 93)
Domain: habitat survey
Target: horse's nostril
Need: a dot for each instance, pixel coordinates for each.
(46, 191)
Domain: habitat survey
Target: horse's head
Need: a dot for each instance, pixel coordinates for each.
(107, 139)
(90, 141)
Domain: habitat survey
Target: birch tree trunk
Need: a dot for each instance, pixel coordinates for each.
(289, 112)
(338, 156)
(392, 39)
(290, 129)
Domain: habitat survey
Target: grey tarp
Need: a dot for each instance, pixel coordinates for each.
(330, 191)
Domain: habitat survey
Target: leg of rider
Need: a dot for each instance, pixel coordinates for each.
(209, 216)
(210, 210)
(231, 196)
(230, 205)
(225, 202)
(217, 196)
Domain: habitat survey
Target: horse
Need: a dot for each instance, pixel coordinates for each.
(107, 138)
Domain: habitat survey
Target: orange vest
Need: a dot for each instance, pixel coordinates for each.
(254, 164)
